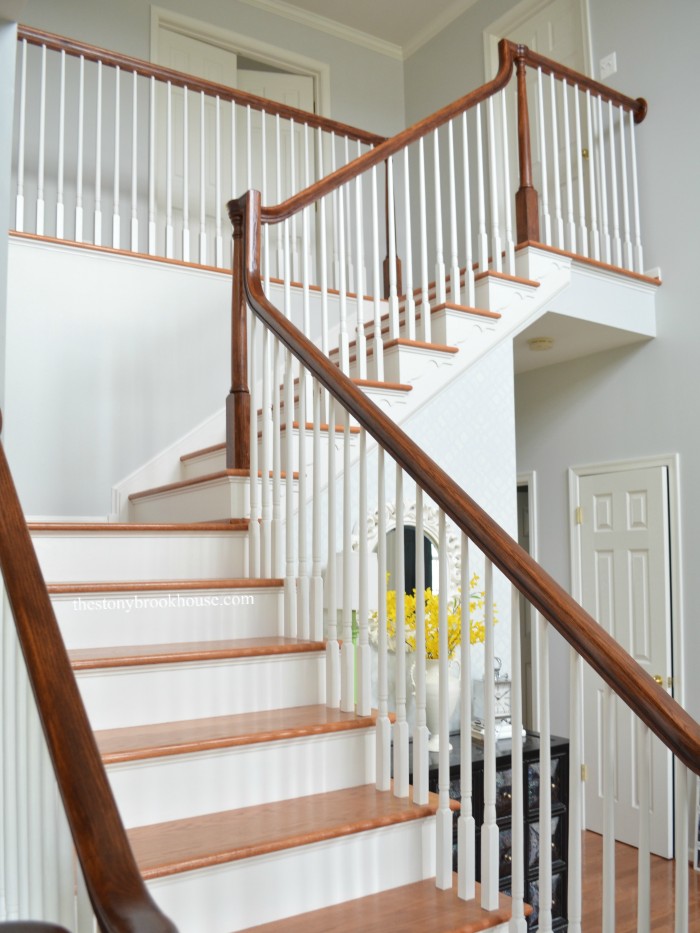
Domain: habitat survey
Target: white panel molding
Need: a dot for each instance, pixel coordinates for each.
(672, 464)
(247, 46)
(518, 15)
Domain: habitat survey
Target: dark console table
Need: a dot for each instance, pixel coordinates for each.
(531, 813)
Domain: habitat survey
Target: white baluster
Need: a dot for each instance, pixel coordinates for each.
(454, 252)
(420, 732)
(254, 489)
(316, 596)
(518, 923)
(278, 176)
(489, 829)
(79, 164)
(60, 207)
(682, 795)
(496, 244)
(268, 386)
(185, 179)
(134, 165)
(40, 204)
(218, 241)
(303, 614)
(332, 649)
(290, 600)
(443, 871)
(364, 691)
(608, 810)
(383, 727)
(169, 173)
(629, 259)
(249, 148)
(469, 252)
(643, 765)
(424, 275)
(545, 882)
(342, 288)
(347, 651)
(277, 531)
(570, 223)
(575, 853)
(292, 190)
(507, 203)
(234, 177)
(345, 192)
(152, 170)
(441, 296)
(19, 203)
(323, 259)
(603, 175)
(97, 238)
(400, 725)
(202, 181)
(559, 222)
(466, 824)
(595, 236)
(336, 257)
(394, 332)
(116, 225)
(638, 257)
(361, 342)
(409, 300)
(483, 240)
(376, 283)
(544, 193)
(583, 236)
(616, 241)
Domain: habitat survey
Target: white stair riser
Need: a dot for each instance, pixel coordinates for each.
(222, 498)
(408, 364)
(151, 693)
(89, 557)
(177, 786)
(212, 462)
(501, 295)
(152, 617)
(456, 327)
(293, 881)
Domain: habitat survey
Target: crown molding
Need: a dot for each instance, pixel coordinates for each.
(436, 26)
(329, 26)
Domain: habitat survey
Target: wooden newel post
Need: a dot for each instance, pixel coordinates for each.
(238, 400)
(527, 218)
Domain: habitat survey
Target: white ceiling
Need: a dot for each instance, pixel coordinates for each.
(402, 24)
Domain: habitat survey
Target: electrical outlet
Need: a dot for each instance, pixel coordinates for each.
(608, 66)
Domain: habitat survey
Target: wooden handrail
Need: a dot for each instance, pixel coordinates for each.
(94, 53)
(508, 54)
(119, 898)
(650, 702)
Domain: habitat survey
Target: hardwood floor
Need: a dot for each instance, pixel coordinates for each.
(662, 890)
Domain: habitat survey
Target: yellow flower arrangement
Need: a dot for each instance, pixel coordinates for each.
(477, 631)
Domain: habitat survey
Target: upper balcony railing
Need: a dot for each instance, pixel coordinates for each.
(114, 151)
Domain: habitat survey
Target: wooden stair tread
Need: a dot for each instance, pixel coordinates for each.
(158, 586)
(137, 655)
(226, 525)
(195, 481)
(465, 309)
(411, 908)
(196, 735)
(505, 277)
(215, 838)
(420, 345)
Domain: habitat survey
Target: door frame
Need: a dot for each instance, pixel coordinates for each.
(528, 479)
(672, 464)
(248, 47)
(520, 14)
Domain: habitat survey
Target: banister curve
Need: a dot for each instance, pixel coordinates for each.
(650, 702)
(119, 897)
(508, 54)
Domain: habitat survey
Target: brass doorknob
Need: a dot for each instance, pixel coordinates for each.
(585, 153)
(659, 679)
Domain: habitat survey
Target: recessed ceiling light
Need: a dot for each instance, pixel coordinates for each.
(540, 343)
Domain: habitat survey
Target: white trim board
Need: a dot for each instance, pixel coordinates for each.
(672, 464)
(256, 49)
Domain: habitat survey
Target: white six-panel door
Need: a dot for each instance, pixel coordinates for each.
(626, 586)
